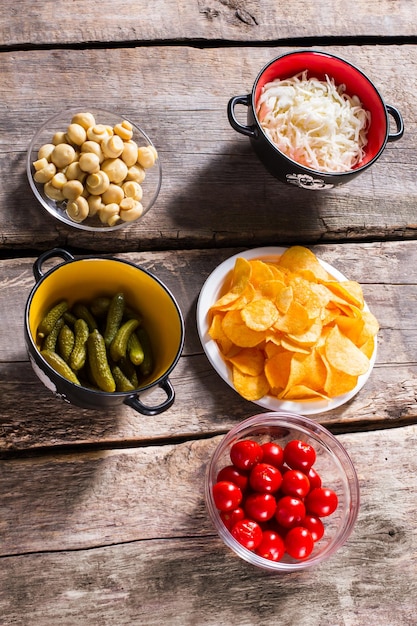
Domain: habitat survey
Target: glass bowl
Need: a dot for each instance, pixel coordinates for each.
(333, 464)
(58, 124)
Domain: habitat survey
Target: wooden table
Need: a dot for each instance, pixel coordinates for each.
(102, 517)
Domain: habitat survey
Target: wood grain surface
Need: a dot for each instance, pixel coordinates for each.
(123, 537)
(102, 513)
(179, 96)
(84, 21)
(204, 402)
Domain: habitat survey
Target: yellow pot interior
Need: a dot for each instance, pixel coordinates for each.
(85, 279)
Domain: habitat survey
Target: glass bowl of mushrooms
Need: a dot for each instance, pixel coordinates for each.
(93, 169)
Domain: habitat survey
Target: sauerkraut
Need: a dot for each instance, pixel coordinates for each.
(314, 122)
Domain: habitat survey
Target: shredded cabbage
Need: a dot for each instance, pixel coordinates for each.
(314, 122)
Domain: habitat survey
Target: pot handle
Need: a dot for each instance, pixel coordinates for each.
(398, 121)
(249, 131)
(135, 403)
(50, 254)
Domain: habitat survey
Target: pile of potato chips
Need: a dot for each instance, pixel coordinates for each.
(287, 328)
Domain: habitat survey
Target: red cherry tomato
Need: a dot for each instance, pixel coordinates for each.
(246, 454)
(321, 502)
(299, 543)
(265, 478)
(229, 518)
(314, 525)
(299, 455)
(272, 546)
(290, 511)
(273, 454)
(260, 506)
(314, 478)
(227, 496)
(248, 533)
(295, 483)
(233, 474)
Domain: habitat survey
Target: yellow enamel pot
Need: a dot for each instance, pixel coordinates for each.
(84, 279)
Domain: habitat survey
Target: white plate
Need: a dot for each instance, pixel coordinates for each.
(210, 292)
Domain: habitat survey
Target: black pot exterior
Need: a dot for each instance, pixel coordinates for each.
(276, 162)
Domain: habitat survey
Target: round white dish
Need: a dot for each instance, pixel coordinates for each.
(210, 292)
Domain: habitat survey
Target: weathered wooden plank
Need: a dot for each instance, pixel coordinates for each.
(123, 537)
(52, 23)
(215, 192)
(31, 417)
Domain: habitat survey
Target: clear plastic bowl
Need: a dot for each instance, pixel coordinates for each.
(59, 123)
(333, 464)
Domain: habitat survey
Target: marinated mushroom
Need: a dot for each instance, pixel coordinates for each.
(72, 189)
(78, 209)
(109, 214)
(97, 183)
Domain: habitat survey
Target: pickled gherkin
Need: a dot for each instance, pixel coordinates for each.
(100, 344)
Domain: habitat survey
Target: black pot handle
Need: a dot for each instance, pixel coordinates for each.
(50, 254)
(249, 131)
(398, 121)
(135, 403)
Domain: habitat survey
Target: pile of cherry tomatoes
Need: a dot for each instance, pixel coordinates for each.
(272, 499)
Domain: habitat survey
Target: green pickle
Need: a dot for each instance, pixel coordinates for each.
(70, 318)
(147, 364)
(97, 356)
(66, 340)
(118, 346)
(79, 352)
(129, 370)
(51, 318)
(59, 365)
(122, 381)
(101, 343)
(49, 343)
(82, 311)
(135, 349)
(114, 318)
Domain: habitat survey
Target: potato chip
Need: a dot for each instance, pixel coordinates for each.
(297, 259)
(351, 327)
(292, 346)
(348, 291)
(302, 392)
(238, 302)
(368, 347)
(277, 370)
(217, 334)
(249, 361)
(309, 337)
(272, 347)
(250, 387)
(337, 382)
(260, 272)
(308, 370)
(295, 320)
(236, 330)
(272, 289)
(260, 314)
(284, 299)
(305, 295)
(343, 355)
(241, 274)
(370, 327)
